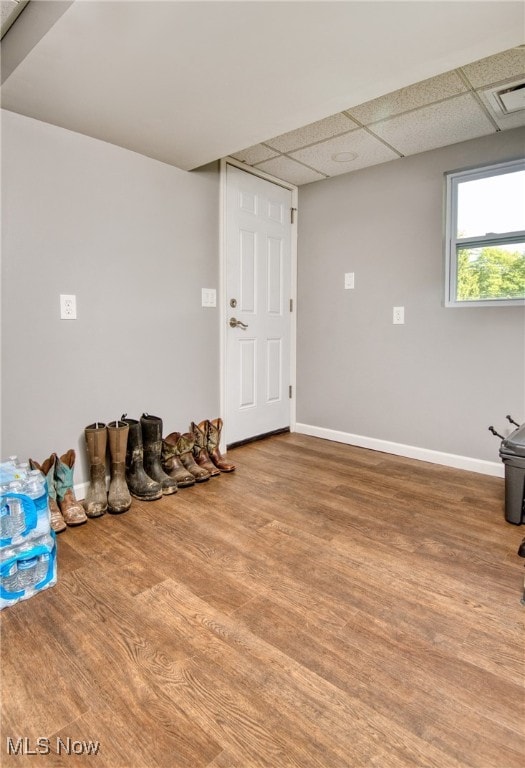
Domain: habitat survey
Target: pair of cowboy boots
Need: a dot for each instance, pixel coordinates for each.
(117, 499)
(206, 450)
(145, 476)
(178, 461)
(64, 508)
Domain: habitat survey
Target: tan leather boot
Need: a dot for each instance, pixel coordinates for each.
(119, 497)
(58, 524)
(72, 510)
(171, 462)
(96, 501)
(214, 439)
(185, 444)
(200, 453)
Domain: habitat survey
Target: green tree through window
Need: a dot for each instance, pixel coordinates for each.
(491, 273)
(485, 235)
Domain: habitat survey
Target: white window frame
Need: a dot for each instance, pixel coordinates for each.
(452, 180)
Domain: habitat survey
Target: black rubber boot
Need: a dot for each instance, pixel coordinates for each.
(152, 442)
(140, 485)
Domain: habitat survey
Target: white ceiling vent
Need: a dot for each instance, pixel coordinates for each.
(506, 100)
(512, 99)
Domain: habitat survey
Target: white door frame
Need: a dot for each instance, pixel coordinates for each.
(223, 302)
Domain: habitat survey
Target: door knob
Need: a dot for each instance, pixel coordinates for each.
(237, 324)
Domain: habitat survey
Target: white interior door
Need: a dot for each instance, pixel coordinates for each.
(258, 283)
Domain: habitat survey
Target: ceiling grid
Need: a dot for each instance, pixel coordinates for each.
(441, 110)
(303, 90)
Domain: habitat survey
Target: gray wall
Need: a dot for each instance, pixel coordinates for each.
(436, 382)
(135, 240)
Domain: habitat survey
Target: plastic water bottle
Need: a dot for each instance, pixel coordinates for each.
(35, 484)
(8, 470)
(10, 580)
(12, 469)
(5, 515)
(27, 572)
(12, 512)
(20, 468)
(35, 477)
(32, 570)
(36, 488)
(42, 567)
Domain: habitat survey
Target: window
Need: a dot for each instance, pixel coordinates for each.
(485, 236)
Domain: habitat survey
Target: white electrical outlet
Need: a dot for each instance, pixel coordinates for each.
(398, 317)
(68, 307)
(349, 280)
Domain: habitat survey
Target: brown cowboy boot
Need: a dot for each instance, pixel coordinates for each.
(96, 501)
(185, 444)
(172, 464)
(58, 524)
(200, 432)
(214, 439)
(119, 498)
(72, 510)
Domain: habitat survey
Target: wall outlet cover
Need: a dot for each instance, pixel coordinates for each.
(398, 316)
(68, 306)
(209, 297)
(349, 280)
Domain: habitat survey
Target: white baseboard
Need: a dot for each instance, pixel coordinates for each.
(81, 490)
(409, 451)
(398, 449)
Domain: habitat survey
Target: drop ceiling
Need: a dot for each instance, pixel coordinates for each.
(312, 89)
(456, 106)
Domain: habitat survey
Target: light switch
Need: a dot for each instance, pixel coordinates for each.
(349, 280)
(209, 297)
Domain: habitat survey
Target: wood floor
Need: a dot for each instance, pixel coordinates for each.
(323, 606)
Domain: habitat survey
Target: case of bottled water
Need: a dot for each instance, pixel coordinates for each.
(27, 569)
(27, 543)
(24, 505)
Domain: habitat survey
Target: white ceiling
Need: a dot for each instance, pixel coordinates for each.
(446, 109)
(190, 82)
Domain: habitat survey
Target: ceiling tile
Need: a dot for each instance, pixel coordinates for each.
(288, 170)
(318, 131)
(493, 69)
(368, 151)
(505, 121)
(457, 119)
(412, 97)
(7, 7)
(255, 154)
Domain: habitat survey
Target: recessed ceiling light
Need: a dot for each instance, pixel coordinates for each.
(344, 157)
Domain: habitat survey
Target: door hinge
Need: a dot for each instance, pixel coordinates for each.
(290, 391)
(293, 211)
(291, 305)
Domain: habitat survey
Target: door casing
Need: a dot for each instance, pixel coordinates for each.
(223, 304)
